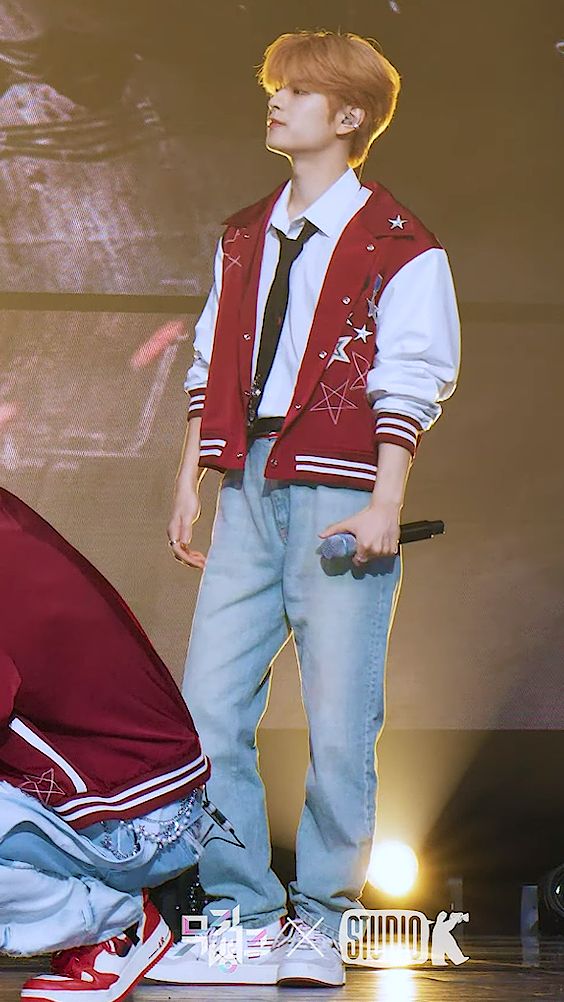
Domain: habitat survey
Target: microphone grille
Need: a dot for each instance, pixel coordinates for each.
(342, 544)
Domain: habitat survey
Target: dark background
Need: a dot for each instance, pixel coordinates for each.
(146, 127)
(127, 133)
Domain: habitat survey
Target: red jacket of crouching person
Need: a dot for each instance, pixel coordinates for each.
(91, 721)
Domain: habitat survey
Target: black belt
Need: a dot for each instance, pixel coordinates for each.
(260, 427)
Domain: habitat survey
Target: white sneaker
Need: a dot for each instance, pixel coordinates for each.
(308, 956)
(235, 956)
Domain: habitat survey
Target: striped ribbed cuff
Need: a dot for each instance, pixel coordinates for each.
(197, 401)
(399, 429)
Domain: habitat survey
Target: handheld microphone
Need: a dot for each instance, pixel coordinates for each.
(216, 815)
(343, 544)
(221, 821)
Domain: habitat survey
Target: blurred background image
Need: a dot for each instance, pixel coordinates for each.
(129, 131)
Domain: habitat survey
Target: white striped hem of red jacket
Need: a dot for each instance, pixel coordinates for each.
(134, 796)
(336, 467)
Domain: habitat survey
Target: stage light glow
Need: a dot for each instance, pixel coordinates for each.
(393, 868)
(396, 985)
(396, 955)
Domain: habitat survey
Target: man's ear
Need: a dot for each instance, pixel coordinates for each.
(349, 119)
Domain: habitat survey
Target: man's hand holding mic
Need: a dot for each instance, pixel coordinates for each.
(376, 528)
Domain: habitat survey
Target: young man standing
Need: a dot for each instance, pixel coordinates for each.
(329, 338)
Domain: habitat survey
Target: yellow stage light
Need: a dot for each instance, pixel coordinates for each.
(393, 868)
(397, 985)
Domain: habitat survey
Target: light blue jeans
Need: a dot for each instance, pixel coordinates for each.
(61, 888)
(264, 577)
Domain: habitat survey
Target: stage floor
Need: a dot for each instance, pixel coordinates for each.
(504, 970)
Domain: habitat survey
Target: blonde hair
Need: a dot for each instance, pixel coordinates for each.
(347, 68)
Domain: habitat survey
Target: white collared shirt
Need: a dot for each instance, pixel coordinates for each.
(418, 337)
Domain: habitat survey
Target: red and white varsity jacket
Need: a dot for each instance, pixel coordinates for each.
(311, 446)
(91, 721)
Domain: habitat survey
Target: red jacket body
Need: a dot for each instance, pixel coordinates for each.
(91, 721)
(310, 448)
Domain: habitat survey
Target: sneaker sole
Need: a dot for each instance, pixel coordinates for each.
(151, 952)
(309, 974)
(198, 972)
(291, 981)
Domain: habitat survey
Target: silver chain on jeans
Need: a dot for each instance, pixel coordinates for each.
(161, 833)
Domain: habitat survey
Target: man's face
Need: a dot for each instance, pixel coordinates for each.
(298, 121)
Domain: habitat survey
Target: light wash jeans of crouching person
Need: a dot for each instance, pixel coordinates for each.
(264, 576)
(61, 888)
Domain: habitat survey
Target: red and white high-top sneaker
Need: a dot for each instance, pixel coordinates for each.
(106, 971)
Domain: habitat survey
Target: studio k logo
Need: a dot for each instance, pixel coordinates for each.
(399, 938)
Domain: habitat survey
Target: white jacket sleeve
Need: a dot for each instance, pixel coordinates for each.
(417, 349)
(197, 376)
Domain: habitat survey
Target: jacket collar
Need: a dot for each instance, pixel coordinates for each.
(374, 216)
(327, 210)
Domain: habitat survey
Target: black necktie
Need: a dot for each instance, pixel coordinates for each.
(275, 311)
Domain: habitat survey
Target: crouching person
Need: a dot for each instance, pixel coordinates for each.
(101, 770)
